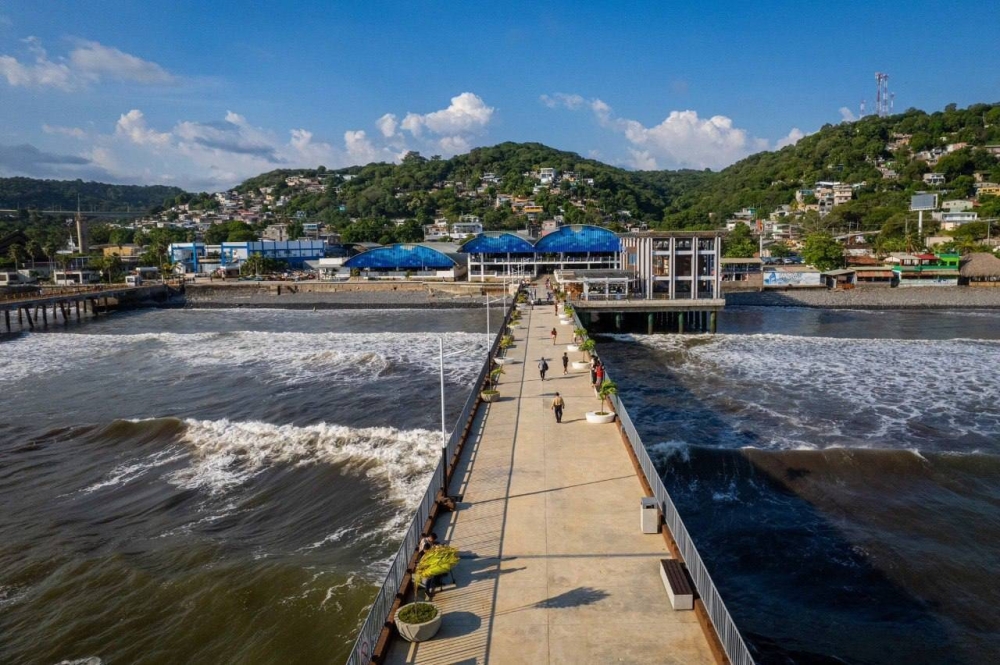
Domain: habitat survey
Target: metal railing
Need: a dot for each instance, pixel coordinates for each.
(378, 614)
(725, 628)
(729, 635)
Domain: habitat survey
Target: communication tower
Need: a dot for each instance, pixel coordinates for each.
(862, 114)
(883, 102)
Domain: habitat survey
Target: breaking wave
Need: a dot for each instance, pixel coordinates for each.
(800, 392)
(282, 357)
(218, 456)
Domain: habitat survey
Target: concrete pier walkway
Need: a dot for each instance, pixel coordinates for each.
(554, 566)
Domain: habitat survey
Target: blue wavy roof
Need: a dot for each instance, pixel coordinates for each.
(578, 239)
(401, 257)
(498, 243)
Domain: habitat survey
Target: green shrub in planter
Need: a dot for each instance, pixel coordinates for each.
(606, 390)
(418, 613)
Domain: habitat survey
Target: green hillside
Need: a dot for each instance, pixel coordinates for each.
(20, 193)
(422, 189)
(851, 152)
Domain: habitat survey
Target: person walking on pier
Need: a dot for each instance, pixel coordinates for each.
(593, 369)
(557, 407)
(565, 360)
(543, 367)
(554, 334)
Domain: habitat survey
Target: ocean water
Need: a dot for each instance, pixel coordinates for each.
(839, 472)
(214, 486)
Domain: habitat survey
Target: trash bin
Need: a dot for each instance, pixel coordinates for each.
(649, 516)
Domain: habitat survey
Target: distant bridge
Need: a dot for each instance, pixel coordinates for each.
(83, 213)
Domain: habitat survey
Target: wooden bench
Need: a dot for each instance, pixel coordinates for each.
(679, 588)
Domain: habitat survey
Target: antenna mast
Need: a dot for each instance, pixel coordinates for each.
(883, 101)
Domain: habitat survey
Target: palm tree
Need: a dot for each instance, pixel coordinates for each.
(16, 254)
(32, 249)
(50, 248)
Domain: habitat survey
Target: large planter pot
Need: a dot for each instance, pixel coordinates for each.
(499, 361)
(600, 418)
(565, 322)
(572, 348)
(579, 365)
(489, 395)
(419, 632)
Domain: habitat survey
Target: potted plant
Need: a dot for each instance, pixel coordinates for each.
(506, 341)
(418, 621)
(495, 375)
(588, 347)
(606, 390)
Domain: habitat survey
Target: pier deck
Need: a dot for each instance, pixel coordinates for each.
(554, 566)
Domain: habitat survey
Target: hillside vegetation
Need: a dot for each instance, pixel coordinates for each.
(24, 193)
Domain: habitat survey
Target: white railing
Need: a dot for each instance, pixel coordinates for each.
(729, 635)
(378, 614)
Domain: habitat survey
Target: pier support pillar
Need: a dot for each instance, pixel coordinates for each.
(650, 323)
(6, 318)
(77, 310)
(20, 321)
(618, 321)
(680, 323)
(45, 317)
(713, 319)
(27, 314)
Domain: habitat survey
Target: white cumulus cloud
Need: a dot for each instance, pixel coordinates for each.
(359, 149)
(89, 62)
(466, 113)
(132, 125)
(387, 125)
(791, 138)
(684, 139)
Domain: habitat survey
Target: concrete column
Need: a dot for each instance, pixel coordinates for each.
(618, 321)
(45, 316)
(6, 318)
(27, 314)
(20, 321)
(680, 323)
(649, 323)
(712, 320)
(77, 310)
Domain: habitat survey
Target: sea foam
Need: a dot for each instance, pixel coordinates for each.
(280, 357)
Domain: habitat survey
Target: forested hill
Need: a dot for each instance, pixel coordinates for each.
(62, 195)
(904, 146)
(423, 188)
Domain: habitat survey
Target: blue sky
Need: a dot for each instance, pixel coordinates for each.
(204, 94)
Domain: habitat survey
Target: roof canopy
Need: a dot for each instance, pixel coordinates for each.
(578, 239)
(980, 265)
(401, 257)
(498, 243)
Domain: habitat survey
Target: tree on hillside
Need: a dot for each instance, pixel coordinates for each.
(295, 230)
(739, 243)
(822, 251)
